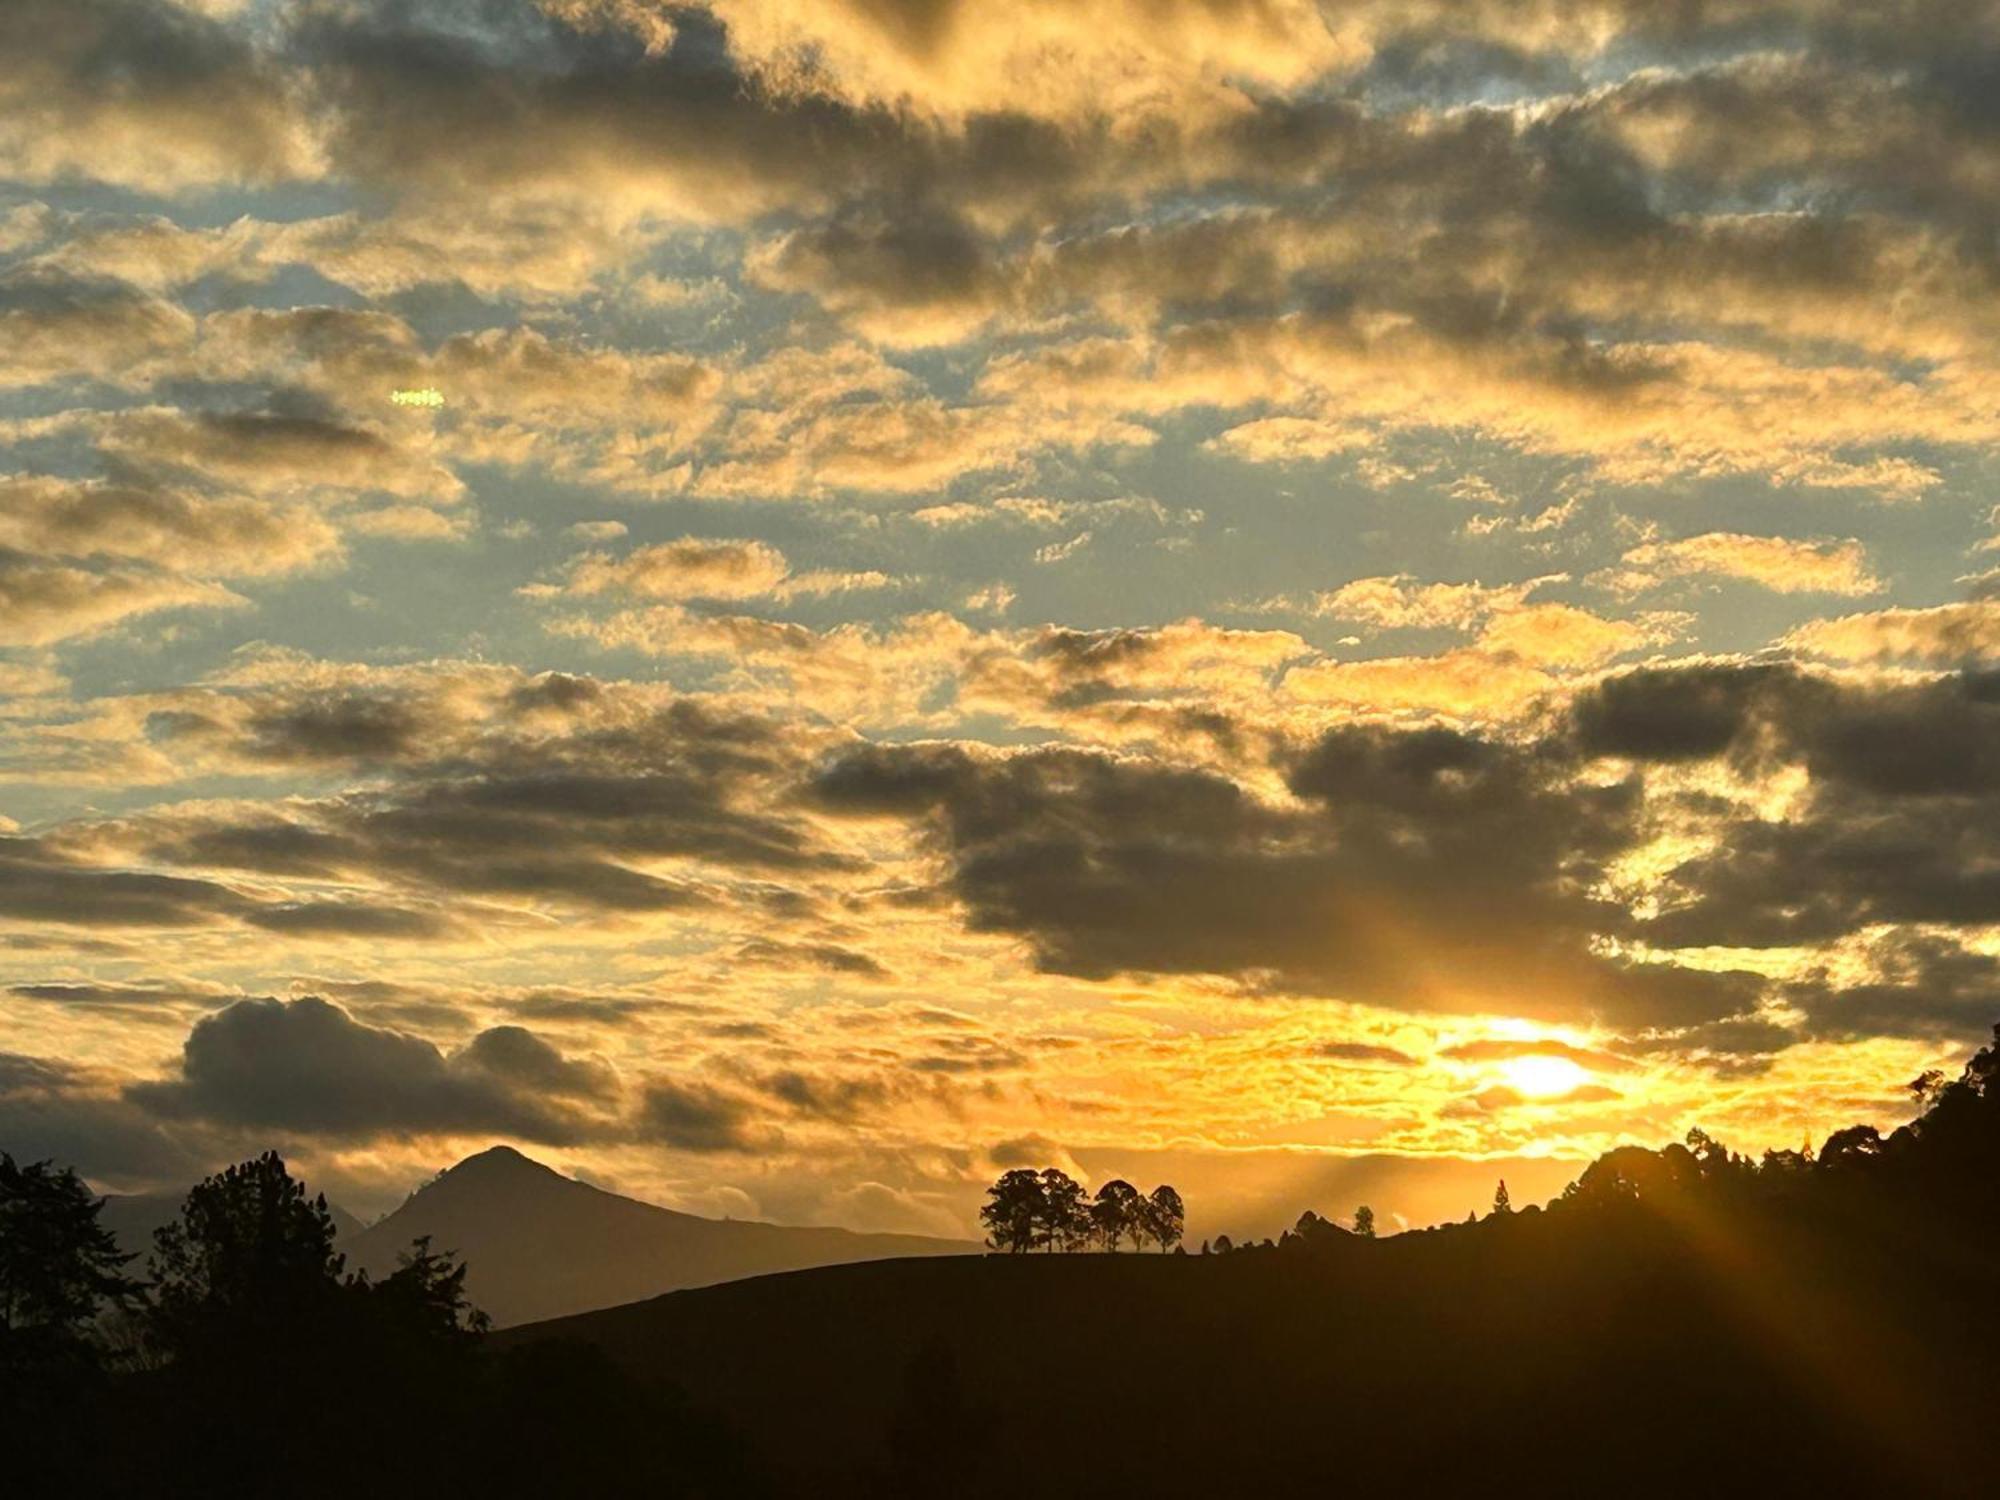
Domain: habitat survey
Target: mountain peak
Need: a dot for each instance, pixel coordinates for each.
(502, 1162)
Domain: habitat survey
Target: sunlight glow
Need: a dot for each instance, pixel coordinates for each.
(1543, 1077)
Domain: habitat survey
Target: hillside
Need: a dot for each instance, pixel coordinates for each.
(541, 1245)
(1612, 1352)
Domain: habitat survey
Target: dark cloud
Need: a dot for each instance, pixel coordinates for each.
(833, 958)
(566, 819)
(354, 919)
(160, 1002)
(839, 1099)
(63, 327)
(1433, 867)
(1678, 713)
(538, 108)
(336, 727)
(1899, 822)
(693, 1116)
(308, 1066)
(1926, 985)
(54, 1110)
(591, 1010)
(1429, 870)
(142, 93)
(39, 885)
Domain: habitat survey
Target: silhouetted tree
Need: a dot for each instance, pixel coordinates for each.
(1012, 1214)
(1029, 1210)
(251, 1256)
(1315, 1229)
(1065, 1222)
(1856, 1144)
(1223, 1244)
(1928, 1088)
(59, 1267)
(1502, 1203)
(1364, 1222)
(1115, 1213)
(1165, 1217)
(424, 1297)
(58, 1264)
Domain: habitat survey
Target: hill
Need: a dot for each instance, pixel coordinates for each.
(541, 1245)
(1681, 1321)
(1599, 1353)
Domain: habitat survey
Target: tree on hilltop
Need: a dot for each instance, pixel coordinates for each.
(1165, 1217)
(1116, 1213)
(1065, 1221)
(1012, 1215)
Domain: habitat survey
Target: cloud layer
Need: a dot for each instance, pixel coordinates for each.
(799, 601)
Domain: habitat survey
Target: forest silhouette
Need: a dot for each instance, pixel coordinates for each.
(1680, 1321)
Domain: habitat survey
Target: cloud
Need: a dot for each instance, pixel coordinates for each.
(1890, 825)
(690, 568)
(1501, 1097)
(1503, 1049)
(1944, 635)
(54, 1110)
(57, 328)
(1906, 984)
(702, 568)
(1277, 440)
(1418, 860)
(1776, 563)
(178, 529)
(39, 885)
(592, 804)
(1342, 271)
(144, 95)
(271, 453)
(307, 1065)
(1401, 603)
(42, 603)
(956, 58)
(692, 1116)
(1363, 1052)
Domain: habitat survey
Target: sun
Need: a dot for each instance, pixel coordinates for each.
(1543, 1077)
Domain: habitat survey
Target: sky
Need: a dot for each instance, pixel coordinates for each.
(793, 603)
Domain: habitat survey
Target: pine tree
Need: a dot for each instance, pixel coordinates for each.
(1502, 1204)
(58, 1264)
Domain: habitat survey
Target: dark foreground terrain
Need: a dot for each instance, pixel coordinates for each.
(1681, 1322)
(1615, 1352)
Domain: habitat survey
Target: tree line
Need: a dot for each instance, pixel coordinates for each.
(1028, 1210)
(246, 1360)
(249, 1254)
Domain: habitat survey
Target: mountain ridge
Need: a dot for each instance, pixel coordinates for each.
(540, 1245)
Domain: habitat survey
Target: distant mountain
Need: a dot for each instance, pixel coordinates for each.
(133, 1217)
(541, 1245)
